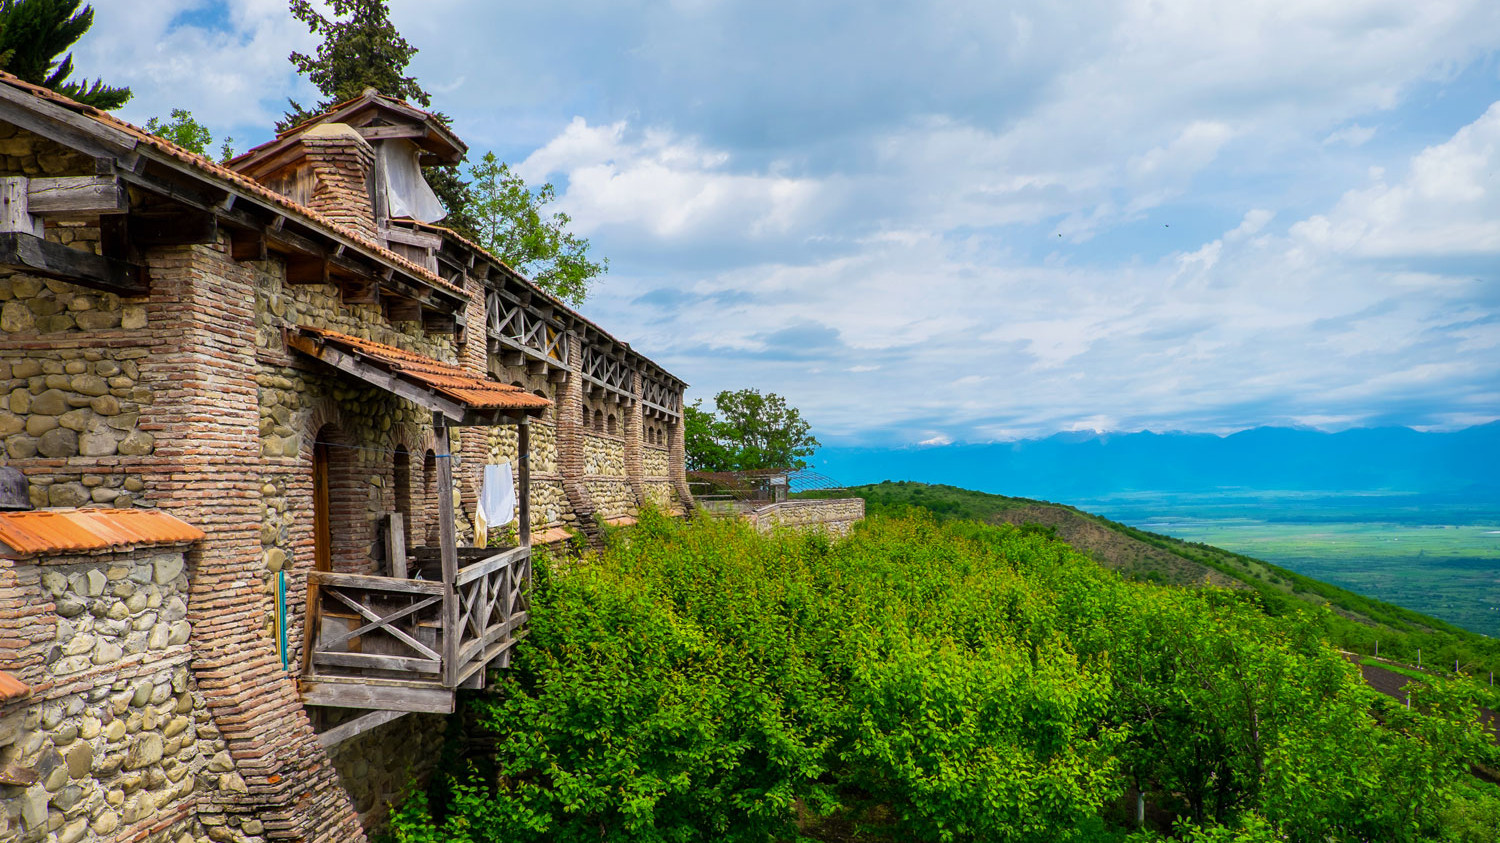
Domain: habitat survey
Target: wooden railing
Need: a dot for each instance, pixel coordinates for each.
(417, 630)
(493, 605)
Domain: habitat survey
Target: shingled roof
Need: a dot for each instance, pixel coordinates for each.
(91, 530)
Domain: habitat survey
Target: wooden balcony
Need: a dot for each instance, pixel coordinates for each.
(397, 644)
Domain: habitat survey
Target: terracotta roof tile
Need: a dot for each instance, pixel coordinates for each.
(218, 171)
(476, 392)
(12, 688)
(87, 530)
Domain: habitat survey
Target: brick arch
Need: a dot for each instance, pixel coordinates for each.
(417, 441)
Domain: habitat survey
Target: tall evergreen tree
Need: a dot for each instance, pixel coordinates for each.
(33, 33)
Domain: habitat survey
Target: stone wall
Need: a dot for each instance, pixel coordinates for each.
(377, 767)
(662, 496)
(835, 516)
(603, 456)
(612, 497)
(655, 462)
(71, 406)
(116, 730)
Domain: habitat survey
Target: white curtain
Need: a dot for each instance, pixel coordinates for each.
(407, 194)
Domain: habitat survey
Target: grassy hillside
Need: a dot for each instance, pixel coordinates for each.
(1351, 620)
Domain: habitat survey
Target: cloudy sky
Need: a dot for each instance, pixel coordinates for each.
(972, 220)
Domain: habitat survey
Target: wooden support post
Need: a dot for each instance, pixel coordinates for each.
(448, 547)
(15, 209)
(523, 464)
(395, 543)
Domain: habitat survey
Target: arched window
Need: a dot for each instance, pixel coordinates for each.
(609, 424)
(599, 421)
(542, 393)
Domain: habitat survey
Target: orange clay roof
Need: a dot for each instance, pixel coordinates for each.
(241, 182)
(86, 530)
(12, 688)
(479, 393)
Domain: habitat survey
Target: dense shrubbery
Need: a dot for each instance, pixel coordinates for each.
(923, 681)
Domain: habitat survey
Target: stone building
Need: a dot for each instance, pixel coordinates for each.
(253, 405)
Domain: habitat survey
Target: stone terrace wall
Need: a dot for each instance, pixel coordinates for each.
(378, 766)
(116, 729)
(835, 516)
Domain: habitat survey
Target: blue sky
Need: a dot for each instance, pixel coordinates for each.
(926, 222)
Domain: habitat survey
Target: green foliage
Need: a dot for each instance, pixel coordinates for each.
(182, 130)
(935, 681)
(33, 33)
(747, 431)
(512, 222)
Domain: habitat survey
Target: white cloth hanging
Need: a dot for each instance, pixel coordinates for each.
(407, 193)
(497, 500)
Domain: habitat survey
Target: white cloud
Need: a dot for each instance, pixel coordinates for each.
(659, 185)
(1448, 204)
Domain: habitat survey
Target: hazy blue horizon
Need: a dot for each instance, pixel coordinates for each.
(1388, 463)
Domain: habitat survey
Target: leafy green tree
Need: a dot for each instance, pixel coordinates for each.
(33, 33)
(747, 431)
(182, 130)
(704, 451)
(513, 224)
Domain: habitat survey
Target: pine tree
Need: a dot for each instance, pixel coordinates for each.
(32, 35)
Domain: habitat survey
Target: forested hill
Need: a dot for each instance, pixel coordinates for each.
(1352, 621)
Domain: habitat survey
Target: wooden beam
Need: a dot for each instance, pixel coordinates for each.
(77, 197)
(60, 124)
(248, 246)
(389, 695)
(176, 229)
(358, 726)
(338, 579)
(31, 254)
(307, 271)
(400, 309)
(15, 208)
(383, 132)
(448, 547)
(377, 377)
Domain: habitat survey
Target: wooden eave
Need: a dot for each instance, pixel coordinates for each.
(406, 121)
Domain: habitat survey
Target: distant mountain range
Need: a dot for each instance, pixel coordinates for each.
(1462, 466)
